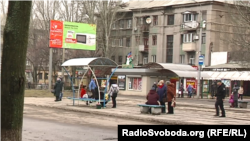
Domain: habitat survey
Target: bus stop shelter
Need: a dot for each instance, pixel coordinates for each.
(101, 63)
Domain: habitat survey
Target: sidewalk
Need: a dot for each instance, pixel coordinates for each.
(128, 109)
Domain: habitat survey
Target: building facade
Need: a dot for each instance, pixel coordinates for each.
(165, 32)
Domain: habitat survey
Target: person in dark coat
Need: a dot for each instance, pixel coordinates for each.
(161, 91)
(58, 89)
(155, 86)
(181, 89)
(235, 95)
(61, 94)
(152, 97)
(220, 96)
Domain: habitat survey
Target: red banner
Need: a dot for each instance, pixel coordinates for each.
(56, 34)
(191, 81)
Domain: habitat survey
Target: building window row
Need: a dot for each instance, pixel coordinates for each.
(121, 42)
(123, 24)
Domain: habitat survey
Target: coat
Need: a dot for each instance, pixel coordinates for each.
(152, 98)
(221, 92)
(92, 85)
(161, 92)
(58, 88)
(171, 92)
(112, 88)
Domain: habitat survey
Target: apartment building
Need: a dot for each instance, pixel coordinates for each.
(169, 31)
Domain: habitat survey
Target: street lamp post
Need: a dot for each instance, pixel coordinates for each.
(199, 54)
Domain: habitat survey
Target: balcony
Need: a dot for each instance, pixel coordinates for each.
(144, 28)
(191, 25)
(189, 46)
(143, 48)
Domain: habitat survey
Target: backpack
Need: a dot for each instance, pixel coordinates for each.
(115, 90)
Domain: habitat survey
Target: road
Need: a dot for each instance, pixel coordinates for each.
(48, 124)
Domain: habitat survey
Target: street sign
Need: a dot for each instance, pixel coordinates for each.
(201, 59)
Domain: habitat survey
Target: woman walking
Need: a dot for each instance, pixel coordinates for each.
(240, 92)
(171, 96)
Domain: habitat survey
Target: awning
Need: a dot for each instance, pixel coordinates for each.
(232, 75)
(179, 69)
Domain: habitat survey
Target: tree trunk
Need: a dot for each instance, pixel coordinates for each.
(35, 74)
(15, 41)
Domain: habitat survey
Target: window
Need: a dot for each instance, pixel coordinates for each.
(137, 40)
(203, 38)
(135, 84)
(46, 76)
(170, 45)
(189, 17)
(138, 21)
(113, 42)
(145, 60)
(40, 76)
(155, 20)
(170, 19)
(27, 62)
(191, 59)
(120, 59)
(113, 58)
(121, 24)
(187, 38)
(128, 42)
(154, 39)
(182, 59)
(153, 58)
(129, 24)
(121, 81)
(121, 42)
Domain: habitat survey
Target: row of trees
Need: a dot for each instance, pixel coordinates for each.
(101, 13)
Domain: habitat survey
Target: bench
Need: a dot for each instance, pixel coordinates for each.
(243, 104)
(155, 109)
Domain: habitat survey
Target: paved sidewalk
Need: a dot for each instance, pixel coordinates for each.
(127, 109)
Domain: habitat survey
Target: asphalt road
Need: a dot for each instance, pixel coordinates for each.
(48, 124)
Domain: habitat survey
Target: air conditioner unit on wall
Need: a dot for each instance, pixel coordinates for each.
(196, 37)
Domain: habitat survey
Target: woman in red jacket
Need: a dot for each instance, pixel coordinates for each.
(83, 92)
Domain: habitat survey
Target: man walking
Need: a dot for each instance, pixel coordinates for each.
(61, 94)
(220, 96)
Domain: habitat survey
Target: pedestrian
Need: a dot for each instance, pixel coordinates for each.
(93, 87)
(62, 84)
(181, 89)
(235, 94)
(161, 91)
(190, 90)
(152, 98)
(155, 86)
(29, 83)
(171, 96)
(220, 97)
(57, 89)
(231, 100)
(241, 91)
(113, 92)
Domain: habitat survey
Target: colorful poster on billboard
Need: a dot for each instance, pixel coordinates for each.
(192, 82)
(72, 35)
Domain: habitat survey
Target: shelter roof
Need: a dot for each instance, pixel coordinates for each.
(92, 62)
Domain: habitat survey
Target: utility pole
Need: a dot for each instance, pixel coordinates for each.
(199, 54)
(50, 61)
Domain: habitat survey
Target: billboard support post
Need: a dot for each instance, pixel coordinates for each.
(63, 59)
(50, 68)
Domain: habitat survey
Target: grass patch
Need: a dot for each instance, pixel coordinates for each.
(45, 93)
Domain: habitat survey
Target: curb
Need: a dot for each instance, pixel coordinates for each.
(123, 116)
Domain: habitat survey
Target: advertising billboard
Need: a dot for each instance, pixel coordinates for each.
(191, 81)
(218, 58)
(72, 35)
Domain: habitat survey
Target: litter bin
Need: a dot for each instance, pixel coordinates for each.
(98, 106)
(243, 104)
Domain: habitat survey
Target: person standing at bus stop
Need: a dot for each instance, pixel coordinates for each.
(93, 87)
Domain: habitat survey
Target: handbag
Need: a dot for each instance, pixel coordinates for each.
(173, 103)
(52, 91)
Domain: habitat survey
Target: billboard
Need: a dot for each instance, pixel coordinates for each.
(72, 35)
(191, 81)
(218, 58)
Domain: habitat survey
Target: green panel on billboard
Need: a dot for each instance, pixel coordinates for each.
(79, 36)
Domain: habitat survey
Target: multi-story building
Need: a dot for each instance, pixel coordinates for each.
(169, 31)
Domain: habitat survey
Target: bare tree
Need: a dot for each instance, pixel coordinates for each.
(239, 41)
(104, 14)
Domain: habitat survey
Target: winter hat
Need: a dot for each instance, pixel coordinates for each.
(153, 88)
(58, 79)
